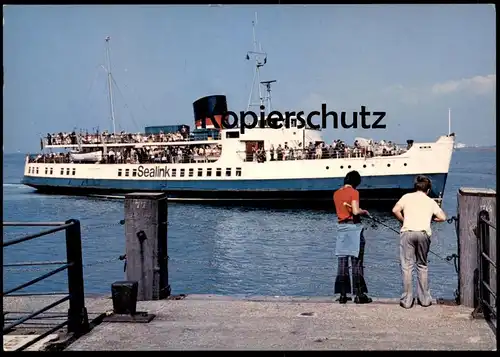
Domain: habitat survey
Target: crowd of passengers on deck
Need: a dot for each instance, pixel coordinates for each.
(210, 153)
(105, 137)
(142, 155)
(338, 149)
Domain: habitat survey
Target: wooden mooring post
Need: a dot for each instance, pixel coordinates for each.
(471, 201)
(146, 216)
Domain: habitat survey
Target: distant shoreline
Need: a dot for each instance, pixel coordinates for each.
(477, 148)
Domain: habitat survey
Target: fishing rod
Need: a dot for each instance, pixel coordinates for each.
(394, 230)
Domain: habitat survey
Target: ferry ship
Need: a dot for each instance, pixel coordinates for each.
(261, 165)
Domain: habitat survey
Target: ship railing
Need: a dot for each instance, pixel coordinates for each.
(172, 159)
(244, 156)
(77, 318)
(271, 155)
(486, 291)
(205, 158)
(44, 159)
(100, 140)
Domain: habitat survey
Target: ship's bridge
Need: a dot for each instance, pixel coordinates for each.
(267, 137)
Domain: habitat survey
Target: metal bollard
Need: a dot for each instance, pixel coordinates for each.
(124, 295)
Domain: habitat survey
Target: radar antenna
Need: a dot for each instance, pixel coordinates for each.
(268, 95)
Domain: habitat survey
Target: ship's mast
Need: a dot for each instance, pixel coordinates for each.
(258, 55)
(449, 121)
(110, 88)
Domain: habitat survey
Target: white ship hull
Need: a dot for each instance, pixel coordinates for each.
(384, 177)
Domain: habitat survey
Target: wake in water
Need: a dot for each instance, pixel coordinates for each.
(16, 185)
(110, 197)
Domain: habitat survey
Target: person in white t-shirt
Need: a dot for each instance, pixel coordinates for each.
(416, 211)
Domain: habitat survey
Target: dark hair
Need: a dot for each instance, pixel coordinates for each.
(352, 178)
(422, 183)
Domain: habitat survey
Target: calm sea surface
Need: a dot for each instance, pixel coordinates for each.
(229, 251)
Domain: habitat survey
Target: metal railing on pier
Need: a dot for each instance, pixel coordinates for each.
(485, 290)
(77, 321)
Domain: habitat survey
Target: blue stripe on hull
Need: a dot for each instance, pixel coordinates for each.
(370, 184)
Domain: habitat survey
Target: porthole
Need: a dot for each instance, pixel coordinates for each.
(364, 166)
(388, 165)
(405, 163)
(349, 166)
(341, 167)
(327, 167)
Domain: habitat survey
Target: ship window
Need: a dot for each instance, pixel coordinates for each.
(46, 170)
(218, 172)
(51, 170)
(327, 167)
(134, 172)
(67, 171)
(364, 166)
(174, 172)
(119, 172)
(349, 166)
(200, 172)
(238, 171)
(191, 172)
(73, 172)
(62, 171)
(232, 134)
(405, 163)
(182, 173)
(29, 170)
(341, 167)
(127, 171)
(37, 170)
(388, 165)
(228, 171)
(209, 172)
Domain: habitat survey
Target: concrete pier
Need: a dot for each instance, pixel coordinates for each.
(209, 322)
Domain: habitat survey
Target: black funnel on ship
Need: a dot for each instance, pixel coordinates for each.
(206, 108)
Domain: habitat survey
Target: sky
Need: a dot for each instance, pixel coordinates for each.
(411, 61)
